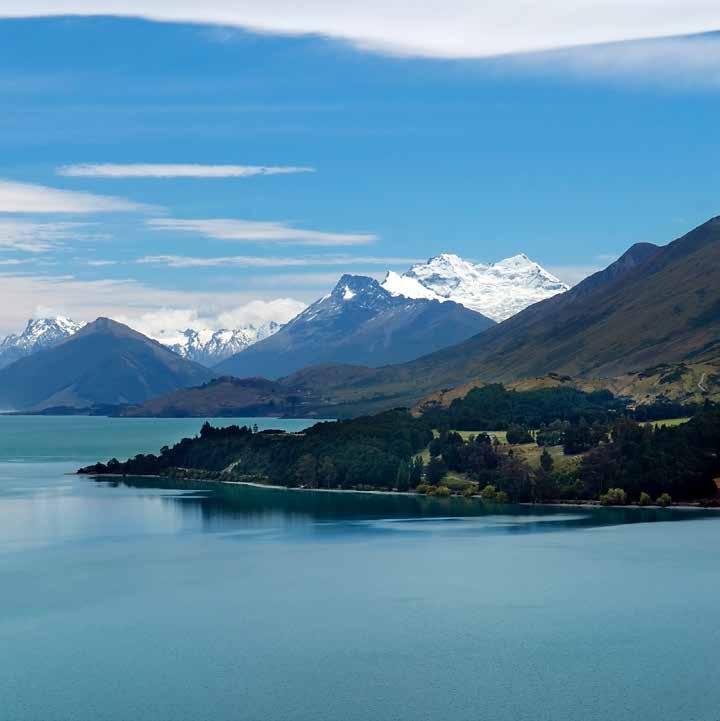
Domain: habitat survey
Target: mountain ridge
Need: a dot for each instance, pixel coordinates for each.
(360, 322)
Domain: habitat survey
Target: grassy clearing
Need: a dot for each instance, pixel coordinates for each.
(670, 422)
(456, 481)
(531, 452)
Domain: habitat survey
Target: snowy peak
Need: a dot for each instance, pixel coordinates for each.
(209, 347)
(43, 333)
(39, 333)
(497, 290)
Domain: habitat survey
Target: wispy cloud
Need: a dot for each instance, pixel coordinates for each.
(678, 61)
(35, 295)
(167, 324)
(30, 198)
(98, 263)
(33, 237)
(176, 170)
(318, 282)
(259, 231)
(433, 28)
(254, 261)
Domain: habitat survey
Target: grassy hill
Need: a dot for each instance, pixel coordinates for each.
(654, 307)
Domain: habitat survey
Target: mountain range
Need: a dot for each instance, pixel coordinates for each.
(653, 313)
(209, 347)
(498, 290)
(358, 322)
(103, 363)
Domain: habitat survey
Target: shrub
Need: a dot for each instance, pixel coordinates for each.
(423, 488)
(443, 491)
(664, 500)
(488, 493)
(614, 497)
(470, 491)
(435, 471)
(502, 497)
(645, 499)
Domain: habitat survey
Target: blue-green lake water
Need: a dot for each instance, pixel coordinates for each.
(123, 602)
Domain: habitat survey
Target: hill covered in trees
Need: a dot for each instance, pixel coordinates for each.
(615, 457)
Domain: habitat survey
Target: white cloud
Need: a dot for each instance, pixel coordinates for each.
(85, 300)
(34, 237)
(253, 261)
(433, 28)
(175, 170)
(281, 310)
(259, 231)
(98, 263)
(668, 61)
(30, 198)
(167, 324)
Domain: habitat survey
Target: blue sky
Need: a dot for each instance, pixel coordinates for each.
(386, 158)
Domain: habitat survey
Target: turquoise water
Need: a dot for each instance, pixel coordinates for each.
(123, 602)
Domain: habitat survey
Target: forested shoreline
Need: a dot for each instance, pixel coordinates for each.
(588, 447)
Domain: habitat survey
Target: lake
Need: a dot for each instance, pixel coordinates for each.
(124, 602)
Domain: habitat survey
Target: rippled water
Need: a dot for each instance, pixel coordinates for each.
(205, 603)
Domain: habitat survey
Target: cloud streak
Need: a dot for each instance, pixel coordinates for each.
(254, 261)
(259, 231)
(36, 295)
(175, 170)
(433, 28)
(29, 198)
(33, 237)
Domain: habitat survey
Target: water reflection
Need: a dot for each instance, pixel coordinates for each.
(214, 506)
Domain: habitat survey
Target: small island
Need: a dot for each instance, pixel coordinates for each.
(540, 446)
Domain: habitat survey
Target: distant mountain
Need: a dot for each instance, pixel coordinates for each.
(227, 397)
(209, 347)
(358, 322)
(653, 306)
(39, 333)
(202, 345)
(104, 363)
(498, 290)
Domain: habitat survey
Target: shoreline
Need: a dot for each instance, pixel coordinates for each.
(550, 504)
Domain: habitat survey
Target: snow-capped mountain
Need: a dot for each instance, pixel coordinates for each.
(202, 345)
(359, 322)
(497, 290)
(39, 333)
(209, 347)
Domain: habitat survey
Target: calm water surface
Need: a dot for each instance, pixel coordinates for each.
(121, 602)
